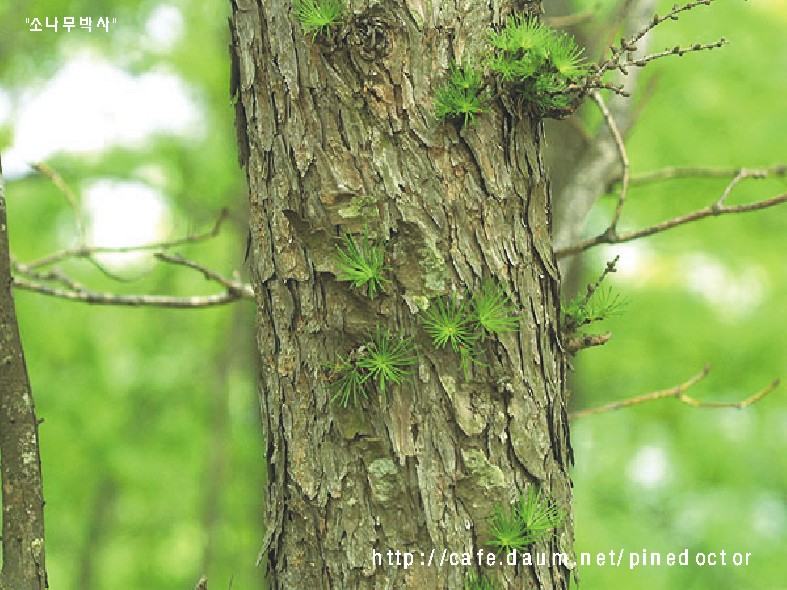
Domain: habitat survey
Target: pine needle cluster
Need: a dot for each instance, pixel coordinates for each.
(538, 61)
(384, 359)
(462, 324)
(532, 518)
(463, 96)
(362, 263)
(318, 16)
(584, 310)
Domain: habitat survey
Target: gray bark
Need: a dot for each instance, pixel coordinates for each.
(339, 135)
(23, 500)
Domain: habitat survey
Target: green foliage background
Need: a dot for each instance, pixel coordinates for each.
(713, 292)
(152, 450)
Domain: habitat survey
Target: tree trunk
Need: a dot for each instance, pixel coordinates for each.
(338, 136)
(24, 566)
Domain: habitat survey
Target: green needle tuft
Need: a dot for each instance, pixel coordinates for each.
(362, 263)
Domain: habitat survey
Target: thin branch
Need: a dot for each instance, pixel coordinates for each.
(612, 237)
(61, 185)
(678, 393)
(54, 275)
(243, 291)
(58, 181)
(591, 289)
(624, 159)
(88, 251)
(677, 172)
(231, 286)
(622, 14)
(630, 44)
(589, 179)
(677, 50)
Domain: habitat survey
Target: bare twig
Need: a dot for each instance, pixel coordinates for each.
(677, 50)
(242, 291)
(589, 179)
(32, 277)
(579, 313)
(58, 181)
(630, 44)
(592, 288)
(677, 172)
(54, 275)
(624, 159)
(89, 251)
(678, 393)
(231, 286)
(612, 237)
(622, 14)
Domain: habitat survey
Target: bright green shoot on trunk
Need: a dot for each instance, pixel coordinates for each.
(362, 263)
(318, 16)
(347, 381)
(462, 96)
(388, 359)
(384, 359)
(449, 321)
(490, 309)
(532, 518)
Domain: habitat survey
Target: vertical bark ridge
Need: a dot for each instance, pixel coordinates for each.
(341, 138)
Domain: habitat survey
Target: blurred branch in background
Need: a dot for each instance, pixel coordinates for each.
(611, 236)
(606, 160)
(600, 160)
(607, 155)
(678, 393)
(31, 276)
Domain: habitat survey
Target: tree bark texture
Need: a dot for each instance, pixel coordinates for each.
(338, 135)
(23, 500)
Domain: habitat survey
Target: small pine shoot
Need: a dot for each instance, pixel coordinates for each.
(388, 359)
(521, 35)
(318, 16)
(533, 517)
(508, 532)
(383, 359)
(347, 381)
(538, 513)
(363, 264)
(567, 58)
(584, 309)
(463, 96)
(449, 321)
(490, 309)
(538, 61)
(463, 324)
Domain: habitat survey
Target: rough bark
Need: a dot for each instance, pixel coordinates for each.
(23, 500)
(339, 135)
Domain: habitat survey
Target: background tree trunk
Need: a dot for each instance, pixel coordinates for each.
(338, 135)
(24, 566)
